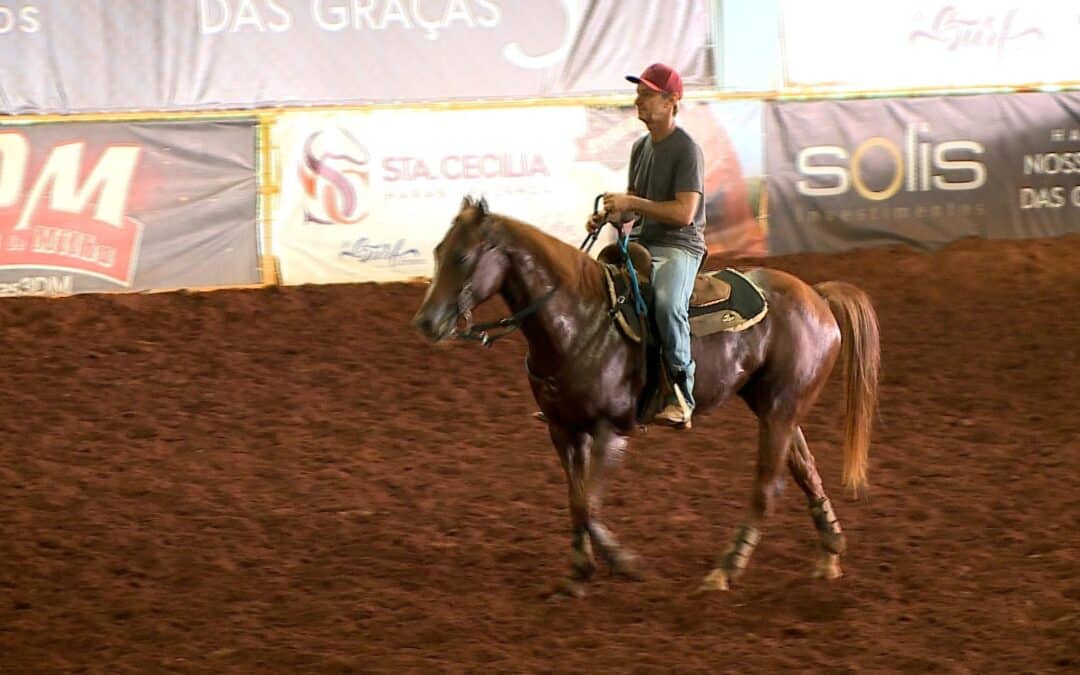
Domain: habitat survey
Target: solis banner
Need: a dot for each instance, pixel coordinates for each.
(367, 196)
(106, 55)
(922, 171)
(127, 206)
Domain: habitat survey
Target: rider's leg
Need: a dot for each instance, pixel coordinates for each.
(674, 270)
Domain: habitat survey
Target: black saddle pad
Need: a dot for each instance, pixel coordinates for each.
(745, 307)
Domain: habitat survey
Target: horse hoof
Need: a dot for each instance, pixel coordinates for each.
(717, 580)
(568, 588)
(828, 568)
(627, 566)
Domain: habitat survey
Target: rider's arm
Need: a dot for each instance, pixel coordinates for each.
(678, 212)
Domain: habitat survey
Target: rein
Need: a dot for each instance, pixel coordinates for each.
(479, 332)
(624, 243)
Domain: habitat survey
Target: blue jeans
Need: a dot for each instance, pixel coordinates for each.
(673, 273)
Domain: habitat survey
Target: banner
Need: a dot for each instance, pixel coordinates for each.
(367, 196)
(922, 171)
(854, 44)
(88, 207)
(109, 55)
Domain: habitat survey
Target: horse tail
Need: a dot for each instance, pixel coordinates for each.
(860, 352)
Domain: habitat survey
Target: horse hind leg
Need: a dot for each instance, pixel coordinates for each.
(773, 443)
(832, 542)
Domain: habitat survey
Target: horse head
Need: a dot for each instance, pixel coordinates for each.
(469, 269)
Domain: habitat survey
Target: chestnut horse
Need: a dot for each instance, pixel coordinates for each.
(586, 376)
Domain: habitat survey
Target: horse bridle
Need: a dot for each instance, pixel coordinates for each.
(479, 332)
(511, 323)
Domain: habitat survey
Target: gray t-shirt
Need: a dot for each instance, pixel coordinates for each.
(657, 172)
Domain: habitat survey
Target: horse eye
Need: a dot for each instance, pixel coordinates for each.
(461, 258)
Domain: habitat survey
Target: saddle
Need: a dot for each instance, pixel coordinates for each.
(620, 288)
(722, 301)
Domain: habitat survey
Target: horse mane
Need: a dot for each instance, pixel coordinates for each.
(570, 266)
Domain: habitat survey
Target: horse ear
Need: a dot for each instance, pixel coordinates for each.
(491, 229)
(482, 205)
(466, 202)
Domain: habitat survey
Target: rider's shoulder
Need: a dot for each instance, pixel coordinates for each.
(684, 136)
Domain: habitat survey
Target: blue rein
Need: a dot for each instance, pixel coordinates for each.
(624, 246)
(639, 301)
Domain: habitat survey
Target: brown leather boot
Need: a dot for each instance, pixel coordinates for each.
(673, 415)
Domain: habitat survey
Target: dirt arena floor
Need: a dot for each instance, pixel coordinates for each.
(293, 481)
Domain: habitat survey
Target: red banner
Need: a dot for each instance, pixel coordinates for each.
(62, 210)
(126, 206)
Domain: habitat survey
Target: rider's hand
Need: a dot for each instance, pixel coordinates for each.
(616, 202)
(595, 222)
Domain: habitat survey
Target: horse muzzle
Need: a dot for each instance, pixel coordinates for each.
(437, 325)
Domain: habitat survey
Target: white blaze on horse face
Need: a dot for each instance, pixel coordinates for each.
(440, 309)
(431, 285)
(438, 297)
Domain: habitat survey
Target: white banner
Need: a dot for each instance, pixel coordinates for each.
(67, 56)
(856, 44)
(366, 196)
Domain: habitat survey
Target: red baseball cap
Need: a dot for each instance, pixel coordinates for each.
(660, 77)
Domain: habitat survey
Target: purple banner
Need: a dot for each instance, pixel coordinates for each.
(922, 171)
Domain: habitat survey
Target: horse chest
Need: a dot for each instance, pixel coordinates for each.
(577, 397)
(553, 388)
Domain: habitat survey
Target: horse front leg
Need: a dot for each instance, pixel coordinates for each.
(607, 451)
(572, 448)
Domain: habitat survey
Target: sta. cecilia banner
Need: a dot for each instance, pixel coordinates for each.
(367, 196)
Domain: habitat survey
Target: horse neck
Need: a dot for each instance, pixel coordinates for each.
(540, 263)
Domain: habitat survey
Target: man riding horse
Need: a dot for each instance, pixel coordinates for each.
(664, 200)
(588, 376)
